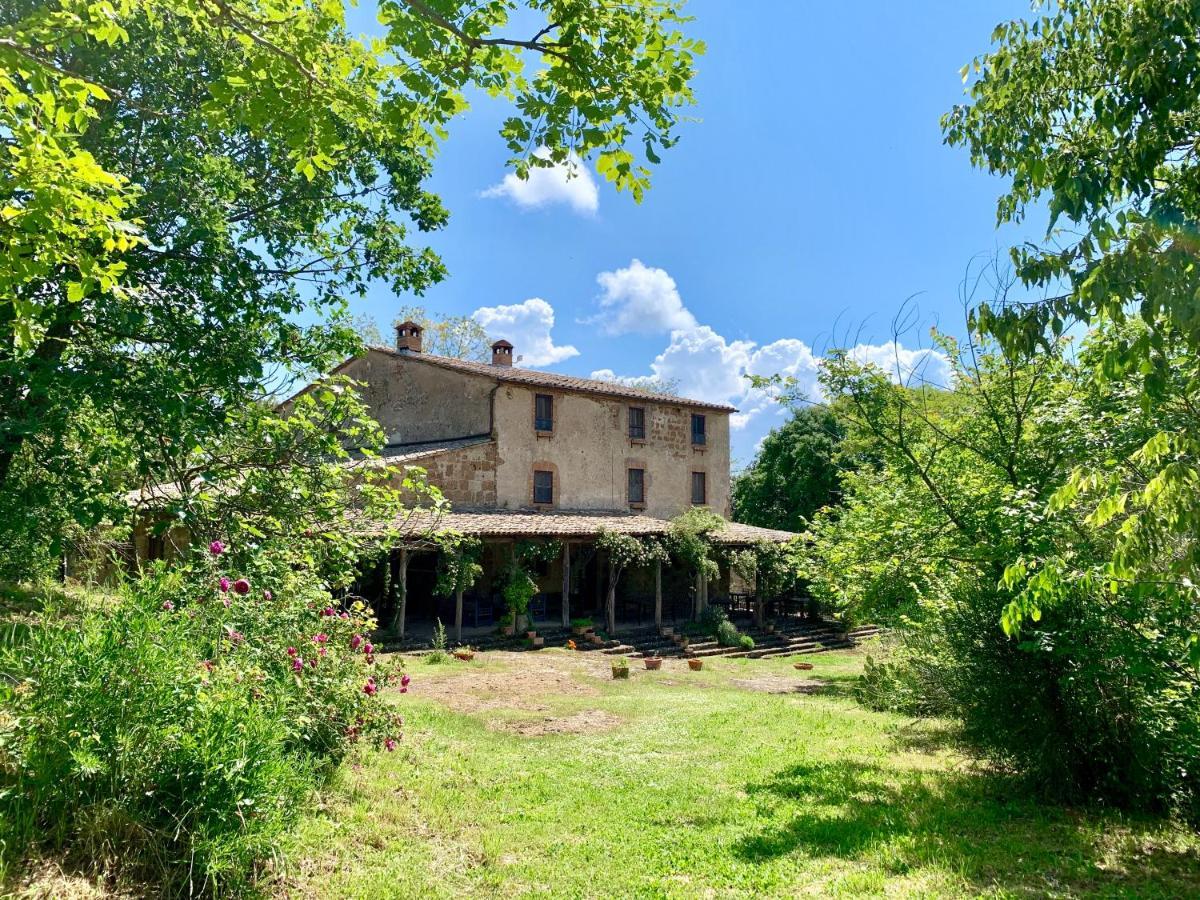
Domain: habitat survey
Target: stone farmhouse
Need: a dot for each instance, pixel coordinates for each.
(523, 454)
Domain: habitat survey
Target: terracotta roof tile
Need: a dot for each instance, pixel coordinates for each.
(535, 378)
(566, 524)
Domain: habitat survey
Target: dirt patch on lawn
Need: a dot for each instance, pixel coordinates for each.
(529, 678)
(782, 684)
(586, 721)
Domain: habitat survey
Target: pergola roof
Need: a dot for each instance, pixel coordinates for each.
(567, 524)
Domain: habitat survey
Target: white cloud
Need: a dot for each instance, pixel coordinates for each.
(913, 367)
(641, 299)
(570, 182)
(527, 326)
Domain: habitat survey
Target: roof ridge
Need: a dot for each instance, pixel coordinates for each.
(520, 375)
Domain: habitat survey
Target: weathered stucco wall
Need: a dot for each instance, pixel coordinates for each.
(415, 401)
(590, 451)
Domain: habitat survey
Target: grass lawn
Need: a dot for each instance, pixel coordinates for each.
(537, 774)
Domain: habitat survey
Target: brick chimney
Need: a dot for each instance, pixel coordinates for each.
(502, 353)
(408, 337)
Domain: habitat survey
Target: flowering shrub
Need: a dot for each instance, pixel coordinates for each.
(174, 733)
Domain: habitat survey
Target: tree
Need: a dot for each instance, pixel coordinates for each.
(187, 180)
(458, 570)
(1092, 108)
(794, 474)
(959, 525)
(624, 551)
(459, 337)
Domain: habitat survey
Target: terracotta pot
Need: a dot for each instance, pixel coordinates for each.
(653, 663)
(506, 630)
(531, 634)
(595, 638)
(578, 630)
(465, 655)
(620, 673)
(695, 664)
(803, 667)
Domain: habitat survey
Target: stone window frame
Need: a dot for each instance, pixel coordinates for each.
(692, 487)
(703, 433)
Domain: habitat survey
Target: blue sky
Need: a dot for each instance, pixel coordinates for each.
(811, 199)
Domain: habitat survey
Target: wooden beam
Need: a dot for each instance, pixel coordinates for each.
(566, 585)
(658, 593)
(401, 588)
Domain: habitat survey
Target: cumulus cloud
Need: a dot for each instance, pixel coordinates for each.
(641, 299)
(527, 326)
(569, 183)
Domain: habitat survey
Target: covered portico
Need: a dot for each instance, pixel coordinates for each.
(573, 584)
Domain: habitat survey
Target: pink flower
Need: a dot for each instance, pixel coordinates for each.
(216, 548)
(344, 615)
(168, 605)
(327, 611)
(298, 664)
(369, 688)
(370, 659)
(404, 690)
(389, 745)
(267, 595)
(405, 681)
(242, 586)
(356, 642)
(369, 649)
(223, 584)
(321, 638)
(235, 636)
(291, 651)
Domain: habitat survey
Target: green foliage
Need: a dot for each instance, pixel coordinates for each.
(1085, 108)
(458, 562)
(794, 474)
(727, 634)
(1002, 568)
(187, 182)
(438, 654)
(165, 735)
(688, 540)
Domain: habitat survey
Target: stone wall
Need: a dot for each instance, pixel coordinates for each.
(467, 477)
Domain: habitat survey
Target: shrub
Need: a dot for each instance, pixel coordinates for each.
(174, 733)
(746, 642)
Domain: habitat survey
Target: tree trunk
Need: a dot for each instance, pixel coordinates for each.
(401, 588)
(610, 603)
(658, 594)
(566, 585)
(697, 599)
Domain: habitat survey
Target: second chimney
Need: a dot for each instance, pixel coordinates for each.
(408, 337)
(502, 353)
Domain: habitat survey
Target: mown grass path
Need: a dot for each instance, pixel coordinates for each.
(539, 775)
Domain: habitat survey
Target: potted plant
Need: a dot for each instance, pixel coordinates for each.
(684, 640)
(506, 625)
(581, 626)
(531, 634)
(466, 653)
(653, 663)
(620, 668)
(695, 664)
